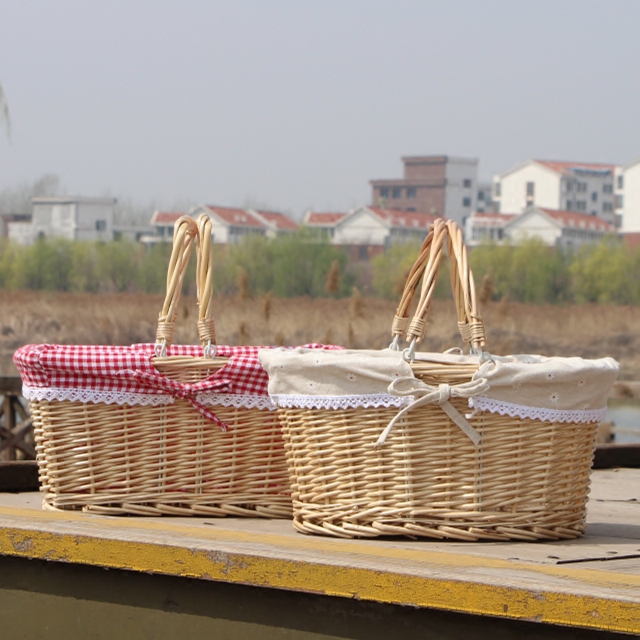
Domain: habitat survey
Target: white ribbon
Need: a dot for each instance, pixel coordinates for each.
(440, 395)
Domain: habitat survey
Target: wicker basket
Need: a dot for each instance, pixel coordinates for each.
(361, 468)
(163, 433)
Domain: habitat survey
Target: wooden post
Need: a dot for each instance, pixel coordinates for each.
(16, 429)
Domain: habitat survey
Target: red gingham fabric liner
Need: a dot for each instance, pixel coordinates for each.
(129, 369)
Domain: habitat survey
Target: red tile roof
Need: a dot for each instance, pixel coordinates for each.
(279, 220)
(236, 217)
(165, 217)
(314, 218)
(399, 218)
(492, 219)
(566, 167)
(579, 220)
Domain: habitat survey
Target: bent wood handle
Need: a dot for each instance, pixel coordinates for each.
(401, 318)
(204, 280)
(185, 232)
(470, 323)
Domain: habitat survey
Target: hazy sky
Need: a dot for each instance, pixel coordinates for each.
(298, 104)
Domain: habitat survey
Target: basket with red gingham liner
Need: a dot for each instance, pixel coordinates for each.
(154, 429)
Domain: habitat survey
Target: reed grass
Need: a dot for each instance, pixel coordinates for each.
(358, 322)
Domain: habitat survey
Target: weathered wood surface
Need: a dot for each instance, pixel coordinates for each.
(575, 583)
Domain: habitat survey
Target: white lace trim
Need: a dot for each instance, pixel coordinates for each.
(91, 395)
(237, 400)
(373, 400)
(60, 394)
(537, 413)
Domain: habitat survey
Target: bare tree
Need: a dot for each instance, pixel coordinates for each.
(18, 199)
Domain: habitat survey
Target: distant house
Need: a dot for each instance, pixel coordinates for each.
(445, 186)
(583, 187)
(482, 227)
(484, 197)
(371, 229)
(162, 224)
(324, 222)
(627, 192)
(229, 225)
(563, 229)
(73, 218)
(14, 225)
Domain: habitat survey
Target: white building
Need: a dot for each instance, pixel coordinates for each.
(371, 226)
(484, 197)
(562, 229)
(585, 188)
(229, 225)
(73, 218)
(484, 227)
(627, 188)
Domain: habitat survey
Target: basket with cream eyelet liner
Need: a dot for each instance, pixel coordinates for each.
(386, 443)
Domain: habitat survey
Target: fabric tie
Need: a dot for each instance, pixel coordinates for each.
(182, 390)
(440, 395)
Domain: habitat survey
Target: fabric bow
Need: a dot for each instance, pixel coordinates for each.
(440, 395)
(182, 390)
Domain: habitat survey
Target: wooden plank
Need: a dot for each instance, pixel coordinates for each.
(19, 475)
(609, 456)
(11, 385)
(510, 580)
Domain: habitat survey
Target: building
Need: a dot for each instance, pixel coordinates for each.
(229, 225)
(323, 222)
(9, 220)
(483, 227)
(627, 193)
(445, 186)
(370, 230)
(562, 229)
(73, 218)
(585, 188)
(484, 197)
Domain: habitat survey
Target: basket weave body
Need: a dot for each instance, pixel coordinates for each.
(154, 460)
(528, 480)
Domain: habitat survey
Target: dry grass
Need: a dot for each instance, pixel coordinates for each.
(586, 330)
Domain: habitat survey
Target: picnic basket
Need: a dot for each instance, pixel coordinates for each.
(447, 446)
(153, 429)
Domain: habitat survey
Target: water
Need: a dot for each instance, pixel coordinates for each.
(625, 414)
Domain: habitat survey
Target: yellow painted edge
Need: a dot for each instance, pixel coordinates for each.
(596, 577)
(349, 582)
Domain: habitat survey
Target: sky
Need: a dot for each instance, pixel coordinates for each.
(294, 105)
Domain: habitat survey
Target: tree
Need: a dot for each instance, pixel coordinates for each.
(18, 199)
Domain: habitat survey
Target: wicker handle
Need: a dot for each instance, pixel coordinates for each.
(470, 323)
(401, 319)
(185, 233)
(204, 279)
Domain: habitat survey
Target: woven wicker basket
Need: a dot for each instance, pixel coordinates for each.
(120, 458)
(525, 479)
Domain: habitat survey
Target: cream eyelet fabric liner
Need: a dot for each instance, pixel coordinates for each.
(523, 386)
(237, 400)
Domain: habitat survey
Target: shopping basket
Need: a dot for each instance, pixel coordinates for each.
(447, 446)
(153, 429)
